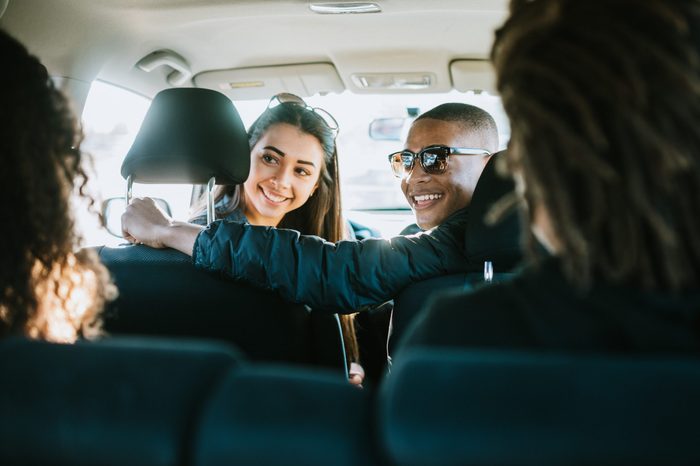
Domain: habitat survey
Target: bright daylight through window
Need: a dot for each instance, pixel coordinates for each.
(371, 194)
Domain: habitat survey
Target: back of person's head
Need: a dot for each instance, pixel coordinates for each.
(321, 214)
(46, 289)
(472, 119)
(604, 102)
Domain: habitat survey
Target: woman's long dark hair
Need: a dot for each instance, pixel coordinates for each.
(604, 102)
(43, 281)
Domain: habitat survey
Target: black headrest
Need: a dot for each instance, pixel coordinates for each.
(499, 243)
(188, 136)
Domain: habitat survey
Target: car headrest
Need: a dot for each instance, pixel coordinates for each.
(499, 243)
(188, 136)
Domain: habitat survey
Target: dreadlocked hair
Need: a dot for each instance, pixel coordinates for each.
(604, 101)
(47, 290)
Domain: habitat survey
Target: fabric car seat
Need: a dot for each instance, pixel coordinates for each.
(474, 407)
(499, 243)
(162, 294)
(192, 136)
(265, 415)
(114, 402)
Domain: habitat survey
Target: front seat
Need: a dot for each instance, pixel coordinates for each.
(195, 136)
(498, 243)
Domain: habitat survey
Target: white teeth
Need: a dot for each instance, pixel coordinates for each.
(274, 198)
(426, 197)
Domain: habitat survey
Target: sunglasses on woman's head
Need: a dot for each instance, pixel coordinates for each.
(433, 159)
(288, 98)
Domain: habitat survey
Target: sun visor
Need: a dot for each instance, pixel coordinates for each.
(473, 75)
(303, 80)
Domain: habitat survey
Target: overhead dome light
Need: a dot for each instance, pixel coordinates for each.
(340, 8)
(393, 81)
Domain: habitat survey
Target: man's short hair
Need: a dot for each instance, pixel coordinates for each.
(472, 118)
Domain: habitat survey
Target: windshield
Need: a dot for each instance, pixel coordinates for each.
(367, 182)
(371, 194)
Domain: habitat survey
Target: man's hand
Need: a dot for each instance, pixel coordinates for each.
(357, 374)
(144, 222)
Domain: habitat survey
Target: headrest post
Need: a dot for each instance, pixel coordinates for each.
(210, 200)
(129, 184)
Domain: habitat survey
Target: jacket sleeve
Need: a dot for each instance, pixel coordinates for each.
(340, 277)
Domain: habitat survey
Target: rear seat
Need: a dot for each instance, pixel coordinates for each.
(472, 407)
(266, 416)
(152, 402)
(116, 402)
(188, 136)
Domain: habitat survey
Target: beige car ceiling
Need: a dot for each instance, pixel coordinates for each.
(409, 39)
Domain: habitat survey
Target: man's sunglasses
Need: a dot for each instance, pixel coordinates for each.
(289, 98)
(433, 159)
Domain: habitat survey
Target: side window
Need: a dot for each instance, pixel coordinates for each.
(111, 119)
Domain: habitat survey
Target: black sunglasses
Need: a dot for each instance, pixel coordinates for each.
(289, 98)
(433, 159)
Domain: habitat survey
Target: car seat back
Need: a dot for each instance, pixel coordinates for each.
(498, 243)
(474, 407)
(265, 415)
(114, 402)
(192, 135)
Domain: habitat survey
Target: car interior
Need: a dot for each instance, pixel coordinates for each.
(161, 293)
(199, 369)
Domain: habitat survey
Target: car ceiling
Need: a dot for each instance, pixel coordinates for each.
(104, 39)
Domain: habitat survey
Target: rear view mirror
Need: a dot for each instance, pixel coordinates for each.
(387, 129)
(114, 207)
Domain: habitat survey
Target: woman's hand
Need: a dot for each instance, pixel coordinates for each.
(144, 222)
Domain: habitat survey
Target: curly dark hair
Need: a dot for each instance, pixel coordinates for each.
(46, 288)
(604, 102)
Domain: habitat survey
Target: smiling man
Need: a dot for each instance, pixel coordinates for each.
(446, 150)
(435, 192)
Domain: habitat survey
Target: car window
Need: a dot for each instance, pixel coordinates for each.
(371, 195)
(111, 119)
(367, 182)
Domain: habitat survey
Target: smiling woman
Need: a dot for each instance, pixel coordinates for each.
(293, 181)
